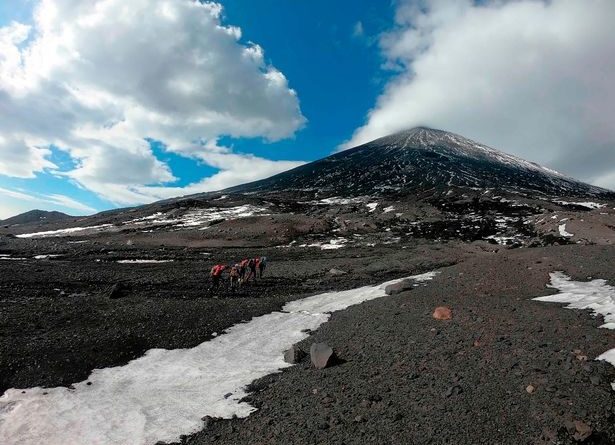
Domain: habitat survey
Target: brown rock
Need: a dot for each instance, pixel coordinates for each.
(583, 431)
(530, 389)
(442, 313)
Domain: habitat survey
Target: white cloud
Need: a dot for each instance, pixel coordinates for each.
(17, 201)
(533, 78)
(235, 168)
(96, 78)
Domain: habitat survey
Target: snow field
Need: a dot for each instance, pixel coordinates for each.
(165, 393)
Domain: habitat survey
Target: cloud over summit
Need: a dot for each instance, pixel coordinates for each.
(533, 78)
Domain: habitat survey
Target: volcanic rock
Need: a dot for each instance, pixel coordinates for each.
(396, 288)
(321, 355)
(118, 290)
(293, 355)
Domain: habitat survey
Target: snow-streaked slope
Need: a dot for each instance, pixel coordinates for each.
(419, 160)
(165, 393)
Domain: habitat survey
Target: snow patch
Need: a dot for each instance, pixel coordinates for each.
(336, 243)
(143, 261)
(388, 209)
(165, 393)
(595, 295)
(562, 231)
(371, 206)
(45, 257)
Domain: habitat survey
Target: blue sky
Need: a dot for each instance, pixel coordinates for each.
(182, 97)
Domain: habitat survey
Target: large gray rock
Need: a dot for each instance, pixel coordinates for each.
(396, 288)
(321, 355)
(294, 355)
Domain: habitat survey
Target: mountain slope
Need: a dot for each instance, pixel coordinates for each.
(36, 216)
(421, 159)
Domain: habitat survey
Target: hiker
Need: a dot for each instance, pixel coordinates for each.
(243, 268)
(262, 264)
(234, 279)
(216, 275)
(251, 269)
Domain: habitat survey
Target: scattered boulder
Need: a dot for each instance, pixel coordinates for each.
(337, 272)
(396, 288)
(118, 290)
(530, 389)
(294, 355)
(442, 313)
(579, 430)
(321, 355)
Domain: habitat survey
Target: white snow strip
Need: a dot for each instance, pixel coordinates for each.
(595, 295)
(66, 232)
(165, 393)
(388, 209)
(45, 257)
(589, 205)
(337, 243)
(143, 261)
(371, 206)
(10, 258)
(562, 231)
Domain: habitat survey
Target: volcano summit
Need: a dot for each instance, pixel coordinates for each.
(418, 160)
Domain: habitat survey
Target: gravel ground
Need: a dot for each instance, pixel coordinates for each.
(403, 377)
(407, 378)
(57, 322)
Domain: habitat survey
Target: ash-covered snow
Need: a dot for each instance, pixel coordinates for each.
(165, 393)
(594, 295)
(194, 218)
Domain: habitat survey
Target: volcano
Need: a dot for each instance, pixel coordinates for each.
(418, 160)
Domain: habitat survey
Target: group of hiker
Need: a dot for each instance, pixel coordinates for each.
(238, 273)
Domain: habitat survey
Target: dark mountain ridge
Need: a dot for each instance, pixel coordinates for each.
(36, 216)
(421, 159)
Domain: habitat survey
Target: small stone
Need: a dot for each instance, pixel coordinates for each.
(442, 313)
(118, 290)
(359, 419)
(227, 395)
(294, 355)
(530, 389)
(453, 391)
(595, 379)
(321, 355)
(337, 272)
(583, 431)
